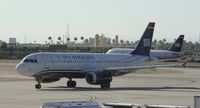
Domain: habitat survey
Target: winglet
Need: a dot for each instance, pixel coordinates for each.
(144, 45)
(177, 46)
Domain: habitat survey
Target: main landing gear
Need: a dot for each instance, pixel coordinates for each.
(71, 84)
(105, 86)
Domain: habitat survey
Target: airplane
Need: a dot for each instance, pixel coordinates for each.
(96, 68)
(173, 52)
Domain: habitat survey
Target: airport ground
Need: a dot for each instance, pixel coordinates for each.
(169, 86)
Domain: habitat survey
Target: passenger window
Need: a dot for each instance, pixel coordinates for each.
(26, 60)
(32, 61)
(35, 61)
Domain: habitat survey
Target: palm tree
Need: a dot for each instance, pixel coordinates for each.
(160, 42)
(154, 44)
(164, 40)
(82, 38)
(68, 39)
(86, 40)
(121, 42)
(155, 41)
(50, 39)
(75, 39)
(59, 40)
(113, 41)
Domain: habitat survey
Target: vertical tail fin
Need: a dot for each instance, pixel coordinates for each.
(144, 45)
(177, 46)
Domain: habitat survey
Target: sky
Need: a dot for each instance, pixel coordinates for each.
(38, 19)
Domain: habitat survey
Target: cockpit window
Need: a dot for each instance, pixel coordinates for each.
(26, 60)
(31, 60)
(35, 61)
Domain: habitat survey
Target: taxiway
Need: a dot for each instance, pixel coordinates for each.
(170, 86)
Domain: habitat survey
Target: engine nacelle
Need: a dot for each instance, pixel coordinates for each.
(49, 80)
(98, 78)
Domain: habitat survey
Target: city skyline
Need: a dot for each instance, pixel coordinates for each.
(128, 18)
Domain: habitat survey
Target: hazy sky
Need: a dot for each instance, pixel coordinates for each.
(39, 19)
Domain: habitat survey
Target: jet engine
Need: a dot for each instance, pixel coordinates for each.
(98, 78)
(49, 80)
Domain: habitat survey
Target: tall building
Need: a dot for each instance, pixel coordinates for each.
(116, 40)
(100, 41)
(91, 42)
(104, 41)
(97, 41)
(12, 41)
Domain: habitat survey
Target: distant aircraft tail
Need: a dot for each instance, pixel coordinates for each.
(144, 45)
(177, 46)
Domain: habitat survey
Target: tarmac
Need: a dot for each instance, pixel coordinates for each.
(168, 86)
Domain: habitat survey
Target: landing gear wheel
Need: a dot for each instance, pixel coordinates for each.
(38, 86)
(105, 86)
(71, 84)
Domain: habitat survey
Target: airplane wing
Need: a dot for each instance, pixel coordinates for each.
(132, 68)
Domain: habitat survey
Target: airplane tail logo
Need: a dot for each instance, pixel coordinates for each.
(144, 45)
(177, 46)
(147, 42)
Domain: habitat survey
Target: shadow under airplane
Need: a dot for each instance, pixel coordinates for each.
(173, 89)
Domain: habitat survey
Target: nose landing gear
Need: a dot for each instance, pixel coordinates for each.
(38, 86)
(71, 84)
(38, 80)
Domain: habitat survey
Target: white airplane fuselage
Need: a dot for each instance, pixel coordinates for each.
(160, 54)
(165, 54)
(47, 62)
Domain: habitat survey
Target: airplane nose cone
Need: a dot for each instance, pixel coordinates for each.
(20, 69)
(23, 69)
